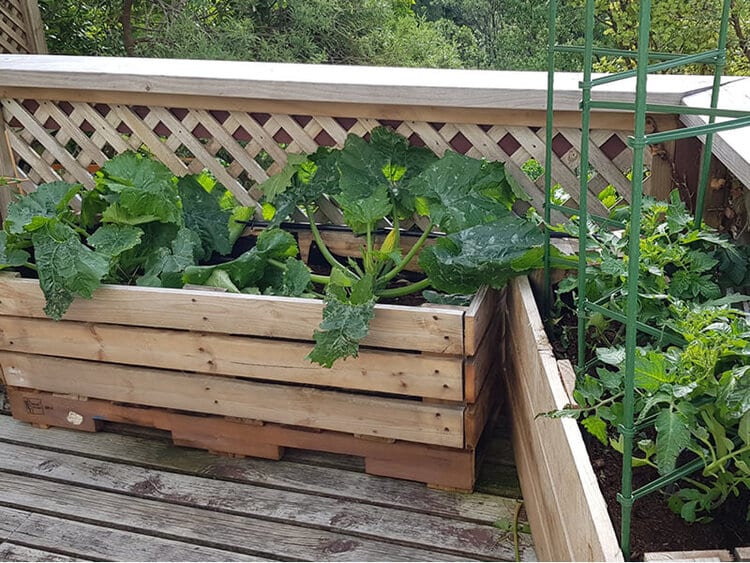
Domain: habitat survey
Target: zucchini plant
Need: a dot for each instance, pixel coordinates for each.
(140, 224)
(387, 181)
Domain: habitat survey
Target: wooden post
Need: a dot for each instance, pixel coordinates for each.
(662, 179)
(34, 27)
(7, 168)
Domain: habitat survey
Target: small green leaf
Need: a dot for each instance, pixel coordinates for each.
(11, 257)
(48, 201)
(279, 183)
(112, 240)
(596, 427)
(672, 437)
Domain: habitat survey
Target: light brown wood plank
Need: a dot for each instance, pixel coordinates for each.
(742, 553)
(397, 327)
(325, 83)
(300, 477)
(567, 513)
(490, 356)
(479, 317)
(389, 418)
(87, 541)
(424, 532)
(399, 373)
(230, 532)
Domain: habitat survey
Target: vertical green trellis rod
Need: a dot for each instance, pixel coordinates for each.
(721, 60)
(548, 140)
(583, 171)
(638, 143)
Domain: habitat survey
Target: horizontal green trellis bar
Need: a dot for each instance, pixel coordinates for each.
(675, 134)
(619, 317)
(596, 218)
(666, 108)
(705, 57)
(614, 52)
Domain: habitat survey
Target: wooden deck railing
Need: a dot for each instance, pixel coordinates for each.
(21, 29)
(64, 116)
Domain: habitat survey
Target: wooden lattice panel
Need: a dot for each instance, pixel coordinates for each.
(20, 27)
(70, 140)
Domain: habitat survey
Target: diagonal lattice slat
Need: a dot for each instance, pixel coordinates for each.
(70, 140)
(21, 30)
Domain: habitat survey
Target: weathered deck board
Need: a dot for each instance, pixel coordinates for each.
(300, 477)
(78, 540)
(335, 515)
(65, 491)
(13, 552)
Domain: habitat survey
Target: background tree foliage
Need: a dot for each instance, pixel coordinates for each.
(677, 26)
(491, 34)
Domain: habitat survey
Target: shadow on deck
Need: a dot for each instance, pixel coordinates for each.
(131, 495)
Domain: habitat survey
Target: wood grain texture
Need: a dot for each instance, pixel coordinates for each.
(324, 83)
(566, 510)
(401, 373)
(448, 467)
(13, 552)
(311, 408)
(318, 478)
(84, 541)
(394, 326)
(218, 530)
(335, 515)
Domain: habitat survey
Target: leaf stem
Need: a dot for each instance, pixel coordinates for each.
(715, 464)
(322, 246)
(409, 255)
(315, 278)
(406, 289)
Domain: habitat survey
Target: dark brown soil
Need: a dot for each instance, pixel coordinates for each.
(654, 526)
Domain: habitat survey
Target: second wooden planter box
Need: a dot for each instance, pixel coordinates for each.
(228, 373)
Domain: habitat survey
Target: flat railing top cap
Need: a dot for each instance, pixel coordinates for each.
(323, 83)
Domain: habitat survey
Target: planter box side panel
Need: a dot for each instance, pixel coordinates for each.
(567, 512)
(437, 424)
(385, 371)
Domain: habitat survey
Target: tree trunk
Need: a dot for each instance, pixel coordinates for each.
(128, 40)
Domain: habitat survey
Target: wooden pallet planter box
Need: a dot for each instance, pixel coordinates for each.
(565, 507)
(227, 372)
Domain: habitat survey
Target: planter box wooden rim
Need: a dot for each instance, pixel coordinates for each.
(444, 330)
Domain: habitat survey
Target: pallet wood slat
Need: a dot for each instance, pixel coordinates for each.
(449, 467)
(237, 356)
(389, 418)
(433, 330)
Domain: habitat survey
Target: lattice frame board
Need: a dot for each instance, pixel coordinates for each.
(54, 140)
(21, 29)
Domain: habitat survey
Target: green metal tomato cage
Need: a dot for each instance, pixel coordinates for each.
(646, 63)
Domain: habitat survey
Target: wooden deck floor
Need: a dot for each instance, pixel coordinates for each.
(68, 495)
